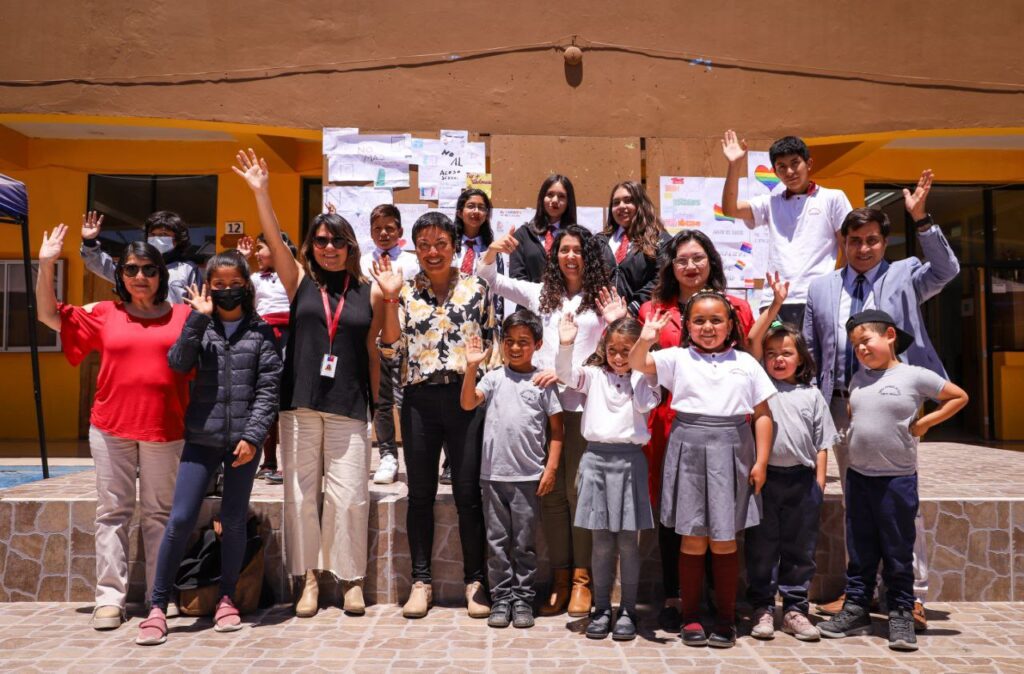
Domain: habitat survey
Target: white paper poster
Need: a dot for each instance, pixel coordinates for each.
(761, 179)
(474, 158)
(355, 205)
(504, 219)
(353, 168)
(384, 148)
(425, 151)
(591, 217)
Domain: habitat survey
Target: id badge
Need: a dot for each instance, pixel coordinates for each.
(328, 366)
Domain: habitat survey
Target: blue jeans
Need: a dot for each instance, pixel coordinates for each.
(197, 464)
(880, 513)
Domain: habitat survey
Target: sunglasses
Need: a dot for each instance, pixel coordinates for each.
(148, 270)
(336, 241)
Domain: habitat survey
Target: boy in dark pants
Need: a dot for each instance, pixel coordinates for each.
(881, 482)
(514, 473)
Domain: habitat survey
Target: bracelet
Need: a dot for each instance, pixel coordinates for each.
(391, 300)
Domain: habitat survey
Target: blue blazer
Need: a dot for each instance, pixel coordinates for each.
(899, 289)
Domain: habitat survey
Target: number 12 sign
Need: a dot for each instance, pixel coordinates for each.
(234, 227)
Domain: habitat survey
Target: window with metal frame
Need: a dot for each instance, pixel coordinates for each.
(14, 323)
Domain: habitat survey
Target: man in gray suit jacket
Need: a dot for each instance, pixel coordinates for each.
(867, 281)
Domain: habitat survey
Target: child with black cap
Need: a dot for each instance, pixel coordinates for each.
(881, 482)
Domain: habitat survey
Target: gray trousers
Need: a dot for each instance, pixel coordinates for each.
(511, 511)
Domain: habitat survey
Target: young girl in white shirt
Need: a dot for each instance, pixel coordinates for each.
(714, 466)
(612, 497)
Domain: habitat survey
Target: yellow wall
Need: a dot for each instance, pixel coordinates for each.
(57, 180)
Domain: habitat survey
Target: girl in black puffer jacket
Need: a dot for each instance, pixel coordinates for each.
(233, 403)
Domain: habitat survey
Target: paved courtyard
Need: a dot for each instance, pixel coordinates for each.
(55, 637)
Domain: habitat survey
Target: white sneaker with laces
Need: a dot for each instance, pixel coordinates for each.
(797, 624)
(387, 470)
(764, 624)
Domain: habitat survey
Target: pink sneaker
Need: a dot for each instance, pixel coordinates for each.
(797, 624)
(226, 616)
(764, 624)
(152, 630)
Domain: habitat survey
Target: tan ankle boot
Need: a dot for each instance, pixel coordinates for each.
(476, 600)
(353, 601)
(559, 598)
(309, 601)
(419, 600)
(580, 600)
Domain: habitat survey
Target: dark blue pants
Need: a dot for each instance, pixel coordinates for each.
(197, 464)
(780, 550)
(880, 515)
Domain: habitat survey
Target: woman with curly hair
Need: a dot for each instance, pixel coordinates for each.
(576, 281)
(688, 264)
(631, 238)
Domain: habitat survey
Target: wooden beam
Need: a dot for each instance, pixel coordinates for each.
(834, 159)
(280, 152)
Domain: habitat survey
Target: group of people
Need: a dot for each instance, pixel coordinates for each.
(626, 391)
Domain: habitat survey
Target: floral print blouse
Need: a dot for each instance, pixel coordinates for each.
(433, 338)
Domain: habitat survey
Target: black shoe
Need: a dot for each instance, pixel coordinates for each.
(901, 630)
(501, 614)
(669, 619)
(723, 636)
(277, 477)
(851, 621)
(625, 625)
(522, 614)
(600, 623)
(446, 475)
(693, 634)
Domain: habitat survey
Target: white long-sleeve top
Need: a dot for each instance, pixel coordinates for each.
(617, 404)
(526, 294)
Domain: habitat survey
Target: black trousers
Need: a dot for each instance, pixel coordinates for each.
(431, 415)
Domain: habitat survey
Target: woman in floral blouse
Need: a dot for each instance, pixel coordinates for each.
(429, 319)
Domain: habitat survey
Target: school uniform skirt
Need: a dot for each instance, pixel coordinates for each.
(705, 489)
(611, 487)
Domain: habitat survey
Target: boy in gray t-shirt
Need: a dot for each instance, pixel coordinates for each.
(515, 471)
(881, 482)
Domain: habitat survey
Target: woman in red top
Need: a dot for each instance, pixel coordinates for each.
(137, 419)
(689, 263)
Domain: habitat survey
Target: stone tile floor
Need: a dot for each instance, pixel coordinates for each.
(51, 637)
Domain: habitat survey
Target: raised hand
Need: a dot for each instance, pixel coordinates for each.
(567, 328)
(475, 353)
(331, 209)
(389, 279)
(91, 223)
(245, 246)
(915, 202)
(199, 300)
(611, 305)
(253, 170)
(506, 244)
(53, 244)
(654, 325)
(779, 287)
(733, 148)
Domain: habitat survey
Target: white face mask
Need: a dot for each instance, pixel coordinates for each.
(164, 244)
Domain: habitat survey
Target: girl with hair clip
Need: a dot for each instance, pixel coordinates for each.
(632, 237)
(714, 465)
(612, 483)
(556, 209)
(574, 282)
(234, 356)
(331, 373)
(780, 550)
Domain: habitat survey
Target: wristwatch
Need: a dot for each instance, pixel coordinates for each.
(924, 223)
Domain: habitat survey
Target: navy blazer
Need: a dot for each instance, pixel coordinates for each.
(636, 276)
(899, 289)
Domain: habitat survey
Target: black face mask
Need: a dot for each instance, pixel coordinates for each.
(229, 298)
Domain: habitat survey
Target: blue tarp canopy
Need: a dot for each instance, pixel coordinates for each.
(13, 198)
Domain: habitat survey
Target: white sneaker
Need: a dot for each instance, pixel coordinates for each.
(387, 470)
(764, 624)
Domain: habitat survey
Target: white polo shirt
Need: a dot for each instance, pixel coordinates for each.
(409, 263)
(269, 293)
(801, 236)
(724, 384)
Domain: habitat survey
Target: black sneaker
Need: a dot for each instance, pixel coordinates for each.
(901, 630)
(625, 625)
(851, 621)
(600, 623)
(522, 614)
(446, 475)
(501, 614)
(723, 636)
(669, 619)
(277, 477)
(693, 633)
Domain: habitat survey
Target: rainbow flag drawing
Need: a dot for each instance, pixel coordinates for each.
(719, 215)
(766, 176)
(746, 247)
(741, 265)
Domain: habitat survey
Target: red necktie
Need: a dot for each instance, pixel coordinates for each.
(620, 252)
(549, 239)
(467, 259)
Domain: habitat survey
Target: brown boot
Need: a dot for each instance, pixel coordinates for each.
(580, 600)
(559, 598)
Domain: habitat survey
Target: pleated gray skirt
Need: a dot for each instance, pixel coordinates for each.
(611, 488)
(705, 487)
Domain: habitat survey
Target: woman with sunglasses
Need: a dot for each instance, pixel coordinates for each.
(331, 367)
(136, 425)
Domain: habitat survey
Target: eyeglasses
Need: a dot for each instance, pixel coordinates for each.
(684, 262)
(148, 270)
(336, 241)
(475, 207)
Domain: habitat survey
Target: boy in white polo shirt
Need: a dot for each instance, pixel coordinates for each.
(803, 220)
